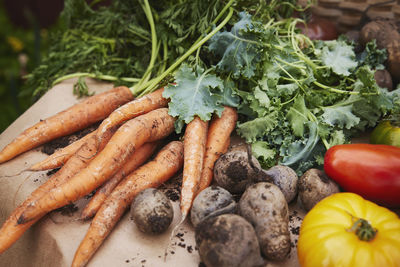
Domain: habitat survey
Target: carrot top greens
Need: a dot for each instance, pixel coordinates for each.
(295, 97)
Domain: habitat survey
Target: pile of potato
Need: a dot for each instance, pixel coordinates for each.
(247, 232)
(255, 229)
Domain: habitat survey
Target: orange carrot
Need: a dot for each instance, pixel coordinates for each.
(75, 118)
(195, 138)
(138, 158)
(218, 139)
(149, 127)
(194, 149)
(132, 109)
(11, 231)
(167, 162)
(59, 157)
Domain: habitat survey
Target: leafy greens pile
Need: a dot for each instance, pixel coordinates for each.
(296, 97)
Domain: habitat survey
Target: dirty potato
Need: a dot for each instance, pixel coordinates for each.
(264, 206)
(228, 240)
(152, 211)
(212, 201)
(315, 185)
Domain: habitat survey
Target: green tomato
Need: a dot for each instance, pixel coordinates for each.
(386, 133)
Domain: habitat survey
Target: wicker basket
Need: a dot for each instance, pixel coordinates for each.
(349, 14)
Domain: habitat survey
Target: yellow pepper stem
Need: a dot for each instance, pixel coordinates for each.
(363, 229)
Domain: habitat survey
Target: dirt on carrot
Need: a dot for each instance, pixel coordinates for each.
(53, 146)
(218, 140)
(152, 126)
(195, 145)
(167, 162)
(11, 231)
(60, 156)
(139, 157)
(77, 117)
(131, 110)
(195, 138)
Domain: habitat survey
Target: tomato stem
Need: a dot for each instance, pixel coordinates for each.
(363, 229)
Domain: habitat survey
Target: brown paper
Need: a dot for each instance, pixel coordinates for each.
(54, 239)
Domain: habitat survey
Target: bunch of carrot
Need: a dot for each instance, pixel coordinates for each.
(114, 160)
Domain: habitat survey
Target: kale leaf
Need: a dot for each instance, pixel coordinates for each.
(238, 48)
(197, 93)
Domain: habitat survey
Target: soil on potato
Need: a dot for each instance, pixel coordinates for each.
(237, 171)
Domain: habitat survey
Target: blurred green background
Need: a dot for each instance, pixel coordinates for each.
(24, 30)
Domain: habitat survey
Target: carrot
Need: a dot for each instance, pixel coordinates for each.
(132, 109)
(218, 140)
(149, 127)
(167, 162)
(194, 149)
(59, 157)
(11, 231)
(75, 118)
(137, 159)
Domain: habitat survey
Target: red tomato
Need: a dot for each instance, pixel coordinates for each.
(319, 29)
(372, 171)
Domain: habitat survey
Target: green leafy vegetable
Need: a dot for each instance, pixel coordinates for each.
(299, 102)
(295, 97)
(195, 94)
(114, 42)
(372, 56)
(294, 103)
(238, 48)
(339, 56)
(257, 128)
(297, 116)
(300, 149)
(81, 88)
(341, 116)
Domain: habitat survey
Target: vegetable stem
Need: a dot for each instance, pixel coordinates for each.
(288, 74)
(312, 117)
(334, 90)
(154, 43)
(165, 58)
(221, 13)
(363, 229)
(142, 90)
(135, 32)
(94, 76)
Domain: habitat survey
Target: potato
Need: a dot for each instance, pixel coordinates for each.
(212, 201)
(383, 79)
(393, 61)
(315, 185)
(264, 206)
(152, 211)
(386, 33)
(228, 240)
(381, 30)
(235, 170)
(285, 178)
